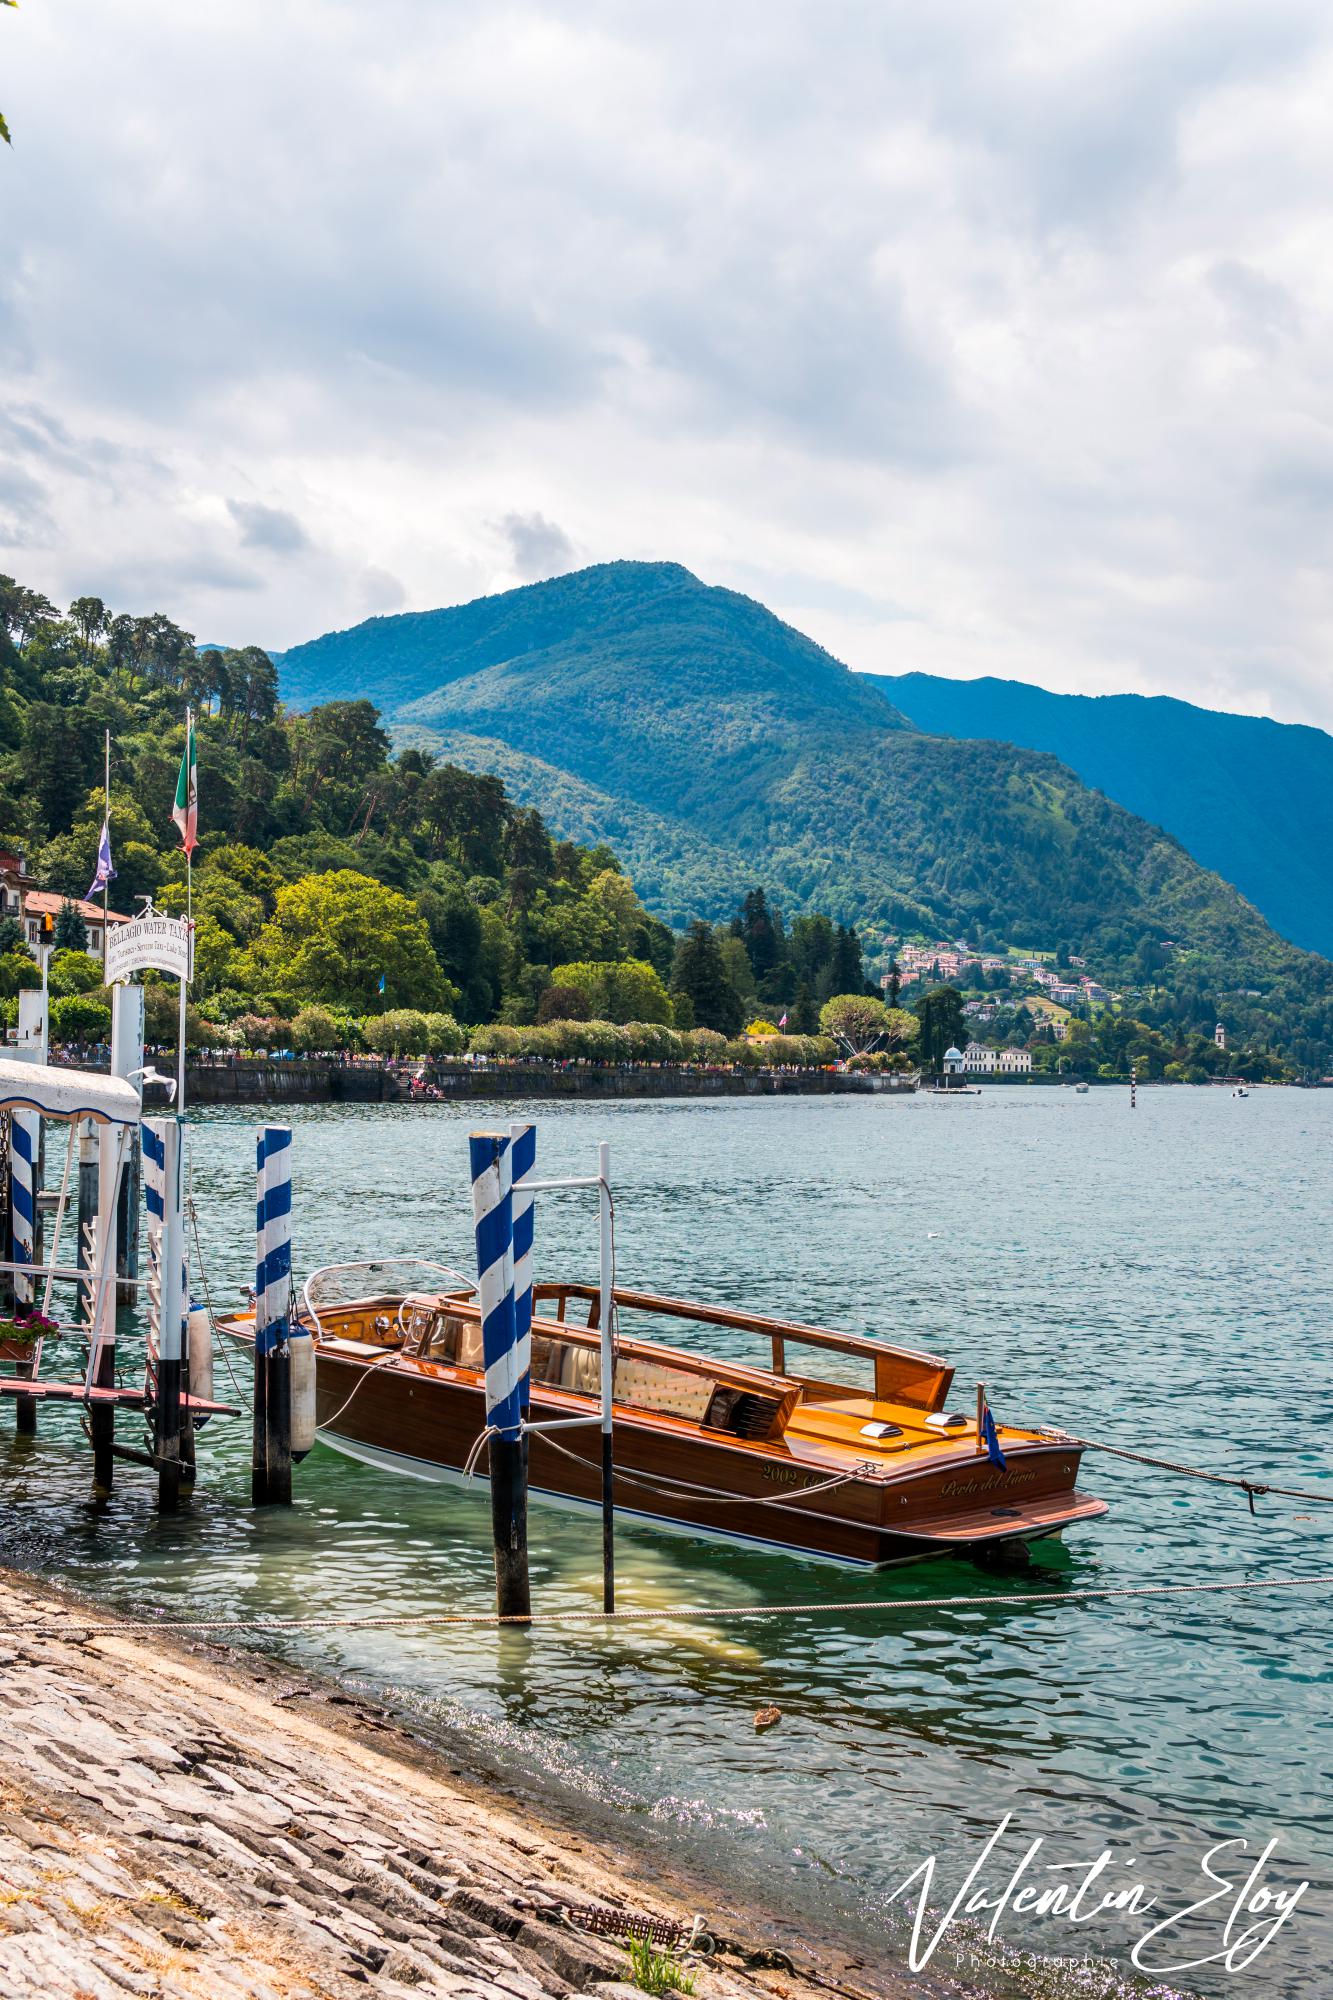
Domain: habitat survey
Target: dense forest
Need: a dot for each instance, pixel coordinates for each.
(337, 887)
(719, 747)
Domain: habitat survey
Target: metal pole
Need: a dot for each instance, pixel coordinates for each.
(606, 1318)
(981, 1412)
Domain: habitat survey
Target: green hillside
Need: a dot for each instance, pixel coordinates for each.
(1249, 797)
(718, 747)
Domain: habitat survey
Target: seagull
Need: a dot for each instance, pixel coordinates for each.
(149, 1075)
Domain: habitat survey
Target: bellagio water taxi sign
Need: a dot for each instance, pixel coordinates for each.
(162, 943)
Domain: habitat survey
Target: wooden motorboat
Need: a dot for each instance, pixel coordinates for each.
(862, 1472)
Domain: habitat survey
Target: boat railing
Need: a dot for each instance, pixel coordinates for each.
(901, 1374)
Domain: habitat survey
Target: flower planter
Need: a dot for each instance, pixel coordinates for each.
(17, 1350)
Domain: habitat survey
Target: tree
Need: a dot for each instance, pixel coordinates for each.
(759, 934)
(624, 990)
(71, 932)
(700, 975)
(316, 1030)
(72, 972)
(91, 617)
(845, 972)
(4, 129)
(333, 938)
(856, 1022)
(80, 1017)
(401, 1032)
(943, 1025)
(564, 1003)
(11, 935)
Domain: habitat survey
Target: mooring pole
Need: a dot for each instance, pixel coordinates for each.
(1133, 1086)
(127, 1061)
(606, 1324)
(162, 1155)
(101, 1314)
(493, 1217)
(271, 1453)
(86, 1214)
(25, 1182)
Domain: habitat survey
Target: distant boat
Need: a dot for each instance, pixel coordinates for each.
(1082, 1089)
(1240, 1091)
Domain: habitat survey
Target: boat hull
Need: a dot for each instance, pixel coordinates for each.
(425, 1422)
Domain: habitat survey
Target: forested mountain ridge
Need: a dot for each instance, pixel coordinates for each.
(733, 752)
(1247, 796)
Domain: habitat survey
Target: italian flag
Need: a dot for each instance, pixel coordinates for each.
(185, 812)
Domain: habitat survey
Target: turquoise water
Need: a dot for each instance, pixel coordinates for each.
(1161, 1278)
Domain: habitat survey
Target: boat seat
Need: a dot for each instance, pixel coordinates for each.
(581, 1370)
(674, 1391)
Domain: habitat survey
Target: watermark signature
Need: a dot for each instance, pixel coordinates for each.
(1237, 1914)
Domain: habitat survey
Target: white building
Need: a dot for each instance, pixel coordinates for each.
(1015, 1062)
(978, 1060)
(1220, 1035)
(953, 1062)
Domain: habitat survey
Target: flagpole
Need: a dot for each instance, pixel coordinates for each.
(106, 886)
(189, 931)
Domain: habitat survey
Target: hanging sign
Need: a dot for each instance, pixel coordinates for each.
(162, 943)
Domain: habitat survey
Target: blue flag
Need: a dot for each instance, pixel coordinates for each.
(381, 984)
(105, 872)
(988, 1431)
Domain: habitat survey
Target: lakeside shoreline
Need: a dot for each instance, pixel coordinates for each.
(225, 1823)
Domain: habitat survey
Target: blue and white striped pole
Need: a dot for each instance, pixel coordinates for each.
(523, 1165)
(493, 1217)
(24, 1138)
(168, 1298)
(271, 1456)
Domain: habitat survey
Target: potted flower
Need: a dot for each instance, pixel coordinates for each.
(20, 1334)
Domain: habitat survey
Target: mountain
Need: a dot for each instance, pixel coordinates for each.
(1249, 797)
(718, 748)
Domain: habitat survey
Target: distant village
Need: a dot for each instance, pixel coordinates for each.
(1051, 993)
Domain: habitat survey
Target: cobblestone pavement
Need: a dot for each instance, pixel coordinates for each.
(173, 1826)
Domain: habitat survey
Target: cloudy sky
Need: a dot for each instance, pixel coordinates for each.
(975, 338)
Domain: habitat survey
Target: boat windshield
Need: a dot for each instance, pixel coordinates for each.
(336, 1285)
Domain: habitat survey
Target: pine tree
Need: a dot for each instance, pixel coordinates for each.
(700, 975)
(845, 974)
(71, 932)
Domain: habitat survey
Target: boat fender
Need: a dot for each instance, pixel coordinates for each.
(301, 1348)
(199, 1334)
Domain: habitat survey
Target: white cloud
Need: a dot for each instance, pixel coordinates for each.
(973, 339)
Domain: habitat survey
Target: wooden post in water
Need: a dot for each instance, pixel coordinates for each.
(271, 1452)
(1133, 1086)
(606, 1325)
(492, 1213)
(163, 1143)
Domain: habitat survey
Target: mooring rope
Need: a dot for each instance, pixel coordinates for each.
(1250, 1487)
(81, 1628)
(713, 1495)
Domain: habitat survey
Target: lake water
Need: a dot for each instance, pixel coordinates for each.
(1159, 1278)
